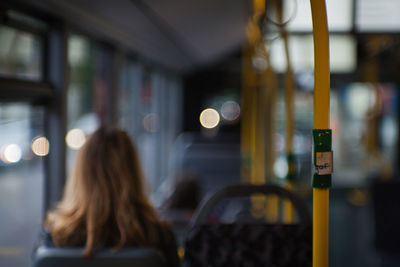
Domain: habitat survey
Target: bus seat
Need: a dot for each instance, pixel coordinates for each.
(232, 192)
(73, 257)
(386, 202)
(233, 242)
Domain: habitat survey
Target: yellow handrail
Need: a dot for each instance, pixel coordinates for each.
(258, 95)
(289, 83)
(252, 145)
(289, 111)
(321, 65)
(321, 121)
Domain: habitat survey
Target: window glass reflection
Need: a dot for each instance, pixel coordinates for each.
(21, 181)
(148, 108)
(339, 13)
(20, 54)
(377, 16)
(342, 52)
(364, 121)
(88, 91)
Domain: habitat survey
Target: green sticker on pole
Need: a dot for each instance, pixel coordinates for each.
(322, 158)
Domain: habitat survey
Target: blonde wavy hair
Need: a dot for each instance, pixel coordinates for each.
(104, 203)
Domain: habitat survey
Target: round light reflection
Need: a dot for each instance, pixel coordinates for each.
(209, 118)
(75, 138)
(40, 146)
(281, 168)
(230, 111)
(12, 153)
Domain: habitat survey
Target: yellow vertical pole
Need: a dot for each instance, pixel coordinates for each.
(272, 93)
(249, 107)
(289, 111)
(257, 164)
(260, 134)
(322, 158)
(253, 137)
(255, 110)
(268, 95)
(248, 80)
(321, 65)
(289, 84)
(259, 5)
(289, 99)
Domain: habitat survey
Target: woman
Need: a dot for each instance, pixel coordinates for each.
(104, 203)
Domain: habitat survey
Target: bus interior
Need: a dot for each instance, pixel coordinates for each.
(203, 103)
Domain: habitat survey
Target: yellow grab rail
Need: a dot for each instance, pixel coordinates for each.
(321, 65)
(322, 136)
(289, 111)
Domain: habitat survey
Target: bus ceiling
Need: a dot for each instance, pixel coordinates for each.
(178, 34)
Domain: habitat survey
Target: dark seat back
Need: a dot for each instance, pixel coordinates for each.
(386, 203)
(245, 191)
(73, 257)
(250, 243)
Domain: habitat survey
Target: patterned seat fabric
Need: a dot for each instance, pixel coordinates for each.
(248, 245)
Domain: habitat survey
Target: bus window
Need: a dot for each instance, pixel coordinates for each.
(149, 109)
(20, 54)
(88, 90)
(22, 147)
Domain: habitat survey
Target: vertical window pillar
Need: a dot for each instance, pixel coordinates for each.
(56, 115)
(117, 60)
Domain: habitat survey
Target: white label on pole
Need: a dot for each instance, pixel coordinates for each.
(323, 163)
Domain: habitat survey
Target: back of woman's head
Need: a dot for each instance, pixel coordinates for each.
(104, 203)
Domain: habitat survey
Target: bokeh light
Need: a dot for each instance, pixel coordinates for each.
(230, 111)
(209, 118)
(75, 138)
(281, 167)
(361, 100)
(11, 153)
(40, 146)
